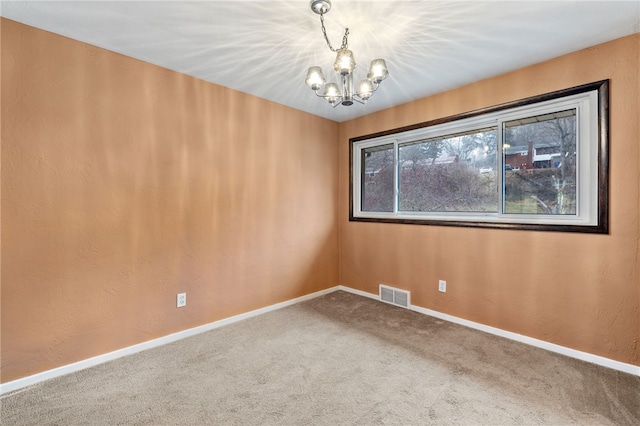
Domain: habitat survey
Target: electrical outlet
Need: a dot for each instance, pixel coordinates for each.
(182, 300)
(442, 286)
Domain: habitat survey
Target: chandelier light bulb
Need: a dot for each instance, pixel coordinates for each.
(315, 78)
(378, 70)
(365, 89)
(332, 93)
(345, 62)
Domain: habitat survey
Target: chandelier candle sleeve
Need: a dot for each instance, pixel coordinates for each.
(378, 71)
(365, 89)
(332, 93)
(345, 62)
(315, 78)
(342, 93)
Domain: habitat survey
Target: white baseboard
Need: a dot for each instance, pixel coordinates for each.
(100, 359)
(583, 356)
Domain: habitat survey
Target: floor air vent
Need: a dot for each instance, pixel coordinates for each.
(395, 296)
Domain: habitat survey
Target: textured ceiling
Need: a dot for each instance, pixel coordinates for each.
(265, 47)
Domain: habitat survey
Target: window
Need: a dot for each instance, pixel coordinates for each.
(540, 163)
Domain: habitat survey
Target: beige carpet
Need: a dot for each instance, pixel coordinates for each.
(340, 359)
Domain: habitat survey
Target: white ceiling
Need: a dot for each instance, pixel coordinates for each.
(265, 47)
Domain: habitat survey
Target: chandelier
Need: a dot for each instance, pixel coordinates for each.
(344, 66)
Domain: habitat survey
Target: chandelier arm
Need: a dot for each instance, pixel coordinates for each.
(326, 96)
(338, 99)
(358, 99)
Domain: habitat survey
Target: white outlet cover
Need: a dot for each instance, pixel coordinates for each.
(442, 286)
(181, 300)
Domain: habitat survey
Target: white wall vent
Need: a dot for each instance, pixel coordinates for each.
(395, 296)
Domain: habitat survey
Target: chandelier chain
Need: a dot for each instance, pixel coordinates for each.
(345, 43)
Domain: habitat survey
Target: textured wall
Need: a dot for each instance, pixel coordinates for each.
(124, 183)
(576, 290)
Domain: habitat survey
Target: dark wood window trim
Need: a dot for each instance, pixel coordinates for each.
(602, 226)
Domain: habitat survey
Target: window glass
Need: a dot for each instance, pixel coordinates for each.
(450, 174)
(539, 157)
(377, 178)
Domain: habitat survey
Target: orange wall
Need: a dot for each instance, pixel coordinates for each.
(576, 290)
(124, 184)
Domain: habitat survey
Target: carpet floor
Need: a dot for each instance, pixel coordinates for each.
(339, 359)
